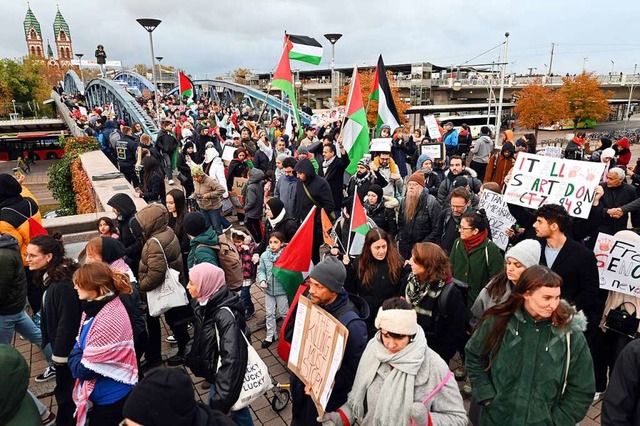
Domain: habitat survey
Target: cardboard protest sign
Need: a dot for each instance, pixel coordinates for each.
(317, 348)
(499, 217)
(432, 127)
(618, 264)
(238, 185)
(537, 180)
(433, 150)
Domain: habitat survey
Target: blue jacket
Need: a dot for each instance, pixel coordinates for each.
(265, 273)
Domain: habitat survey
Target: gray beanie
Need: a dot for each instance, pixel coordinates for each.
(331, 273)
(527, 252)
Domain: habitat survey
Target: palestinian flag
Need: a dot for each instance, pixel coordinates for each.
(359, 226)
(283, 80)
(186, 86)
(387, 112)
(305, 49)
(355, 135)
(295, 263)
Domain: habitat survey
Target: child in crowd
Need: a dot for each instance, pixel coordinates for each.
(276, 304)
(245, 247)
(107, 228)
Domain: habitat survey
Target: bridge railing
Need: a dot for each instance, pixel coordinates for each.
(65, 114)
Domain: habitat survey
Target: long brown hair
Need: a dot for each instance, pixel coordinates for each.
(497, 287)
(99, 277)
(531, 279)
(393, 258)
(434, 261)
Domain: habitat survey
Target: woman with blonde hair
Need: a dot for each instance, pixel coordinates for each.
(103, 360)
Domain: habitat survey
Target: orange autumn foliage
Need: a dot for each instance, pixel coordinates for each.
(586, 100)
(539, 105)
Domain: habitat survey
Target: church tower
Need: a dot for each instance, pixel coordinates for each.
(33, 35)
(63, 40)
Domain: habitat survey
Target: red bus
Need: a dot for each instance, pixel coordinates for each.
(34, 145)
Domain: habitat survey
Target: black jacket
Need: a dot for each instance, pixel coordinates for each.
(317, 187)
(165, 142)
(363, 187)
(262, 162)
(126, 151)
(130, 230)
(384, 215)
(621, 406)
(615, 197)
(13, 283)
(60, 318)
(447, 230)
(335, 177)
(156, 192)
(236, 169)
(446, 332)
(203, 356)
(286, 226)
(423, 227)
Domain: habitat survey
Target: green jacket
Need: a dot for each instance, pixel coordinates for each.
(16, 406)
(198, 253)
(475, 268)
(525, 381)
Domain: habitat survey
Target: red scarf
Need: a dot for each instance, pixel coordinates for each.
(472, 242)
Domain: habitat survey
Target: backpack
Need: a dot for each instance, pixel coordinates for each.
(114, 137)
(229, 260)
(35, 228)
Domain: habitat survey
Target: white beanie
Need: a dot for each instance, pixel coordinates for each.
(527, 252)
(608, 153)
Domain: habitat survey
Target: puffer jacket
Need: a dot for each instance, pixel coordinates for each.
(211, 192)
(253, 195)
(230, 347)
(14, 215)
(423, 227)
(526, 378)
(384, 214)
(475, 268)
(200, 250)
(265, 273)
(13, 283)
(153, 267)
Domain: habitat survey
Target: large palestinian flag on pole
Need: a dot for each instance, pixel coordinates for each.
(355, 135)
(185, 86)
(305, 49)
(295, 263)
(283, 80)
(387, 112)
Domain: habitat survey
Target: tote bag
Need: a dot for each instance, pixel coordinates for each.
(169, 294)
(256, 377)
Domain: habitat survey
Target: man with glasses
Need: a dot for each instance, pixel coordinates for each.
(447, 230)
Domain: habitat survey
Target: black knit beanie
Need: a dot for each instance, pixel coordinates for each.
(194, 224)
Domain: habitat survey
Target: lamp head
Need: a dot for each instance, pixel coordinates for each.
(149, 24)
(333, 37)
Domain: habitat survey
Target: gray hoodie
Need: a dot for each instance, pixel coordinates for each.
(253, 194)
(482, 149)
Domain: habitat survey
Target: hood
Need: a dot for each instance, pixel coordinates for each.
(484, 138)
(124, 204)
(112, 250)
(361, 306)
(390, 202)
(14, 376)
(577, 320)
(7, 241)
(255, 175)
(468, 171)
(508, 135)
(225, 297)
(153, 219)
(305, 166)
(208, 237)
(508, 147)
(624, 143)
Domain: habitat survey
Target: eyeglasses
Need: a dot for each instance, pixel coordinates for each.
(462, 228)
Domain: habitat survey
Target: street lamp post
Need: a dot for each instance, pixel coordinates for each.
(633, 82)
(79, 56)
(502, 72)
(150, 24)
(333, 39)
(159, 59)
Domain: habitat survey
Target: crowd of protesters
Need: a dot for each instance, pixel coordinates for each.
(429, 282)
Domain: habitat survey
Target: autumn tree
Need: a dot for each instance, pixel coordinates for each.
(239, 75)
(539, 105)
(586, 100)
(24, 82)
(366, 83)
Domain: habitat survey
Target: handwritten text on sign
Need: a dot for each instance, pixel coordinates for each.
(618, 264)
(537, 180)
(317, 349)
(499, 217)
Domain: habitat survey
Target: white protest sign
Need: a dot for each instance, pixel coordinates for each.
(432, 127)
(553, 151)
(499, 217)
(380, 145)
(537, 180)
(433, 150)
(228, 152)
(618, 264)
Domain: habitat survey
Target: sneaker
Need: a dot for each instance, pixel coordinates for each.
(460, 373)
(171, 339)
(467, 390)
(266, 343)
(205, 385)
(175, 360)
(50, 420)
(597, 396)
(171, 182)
(49, 373)
(241, 223)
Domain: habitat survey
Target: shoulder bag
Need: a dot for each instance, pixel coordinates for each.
(169, 294)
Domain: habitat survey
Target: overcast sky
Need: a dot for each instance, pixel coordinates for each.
(209, 38)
